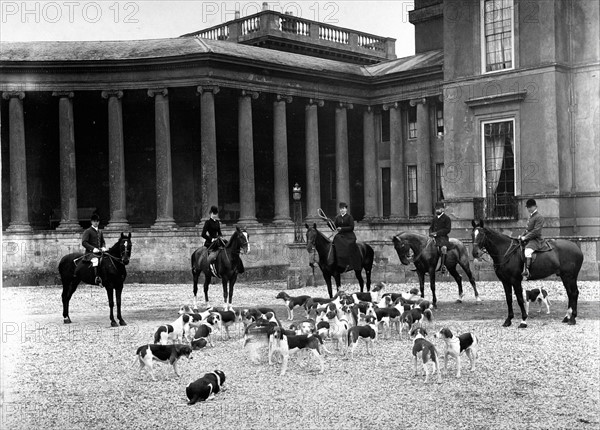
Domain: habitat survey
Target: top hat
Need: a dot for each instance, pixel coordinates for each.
(214, 210)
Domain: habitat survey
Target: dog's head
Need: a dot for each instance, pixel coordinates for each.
(185, 319)
(282, 295)
(370, 319)
(276, 331)
(385, 302)
(185, 309)
(198, 344)
(220, 377)
(213, 319)
(444, 333)
(378, 287)
(418, 332)
(183, 351)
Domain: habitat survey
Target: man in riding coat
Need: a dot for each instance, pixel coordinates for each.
(211, 232)
(533, 236)
(346, 249)
(93, 242)
(440, 228)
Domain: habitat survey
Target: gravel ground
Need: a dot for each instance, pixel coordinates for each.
(83, 376)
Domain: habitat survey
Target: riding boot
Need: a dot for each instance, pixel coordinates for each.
(443, 262)
(97, 278)
(525, 273)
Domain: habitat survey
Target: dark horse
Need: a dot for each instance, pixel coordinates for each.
(111, 269)
(227, 264)
(565, 260)
(425, 258)
(317, 240)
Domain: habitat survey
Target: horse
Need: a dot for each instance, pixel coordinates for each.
(425, 258)
(315, 240)
(227, 264)
(111, 269)
(564, 260)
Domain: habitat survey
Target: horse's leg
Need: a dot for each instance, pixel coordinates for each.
(111, 304)
(509, 303)
(225, 281)
(118, 291)
(467, 269)
(421, 276)
(573, 295)
(432, 286)
(328, 282)
(452, 270)
(338, 281)
(195, 275)
(206, 285)
(67, 292)
(231, 284)
(521, 301)
(361, 282)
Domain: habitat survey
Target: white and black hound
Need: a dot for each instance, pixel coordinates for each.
(456, 345)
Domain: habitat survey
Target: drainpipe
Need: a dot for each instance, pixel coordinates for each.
(572, 131)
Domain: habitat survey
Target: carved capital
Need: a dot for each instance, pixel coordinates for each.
(249, 93)
(112, 93)
(284, 98)
(10, 94)
(158, 91)
(415, 102)
(318, 102)
(388, 106)
(61, 94)
(369, 109)
(208, 89)
(344, 105)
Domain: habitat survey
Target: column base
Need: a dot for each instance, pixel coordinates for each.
(19, 228)
(164, 224)
(313, 220)
(247, 221)
(122, 225)
(68, 225)
(283, 221)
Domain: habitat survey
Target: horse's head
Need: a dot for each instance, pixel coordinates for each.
(478, 236)
(243, 239)
(402, 248)
(311, 240)
(125, 248)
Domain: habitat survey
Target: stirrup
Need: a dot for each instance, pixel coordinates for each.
(213, 270)
(525, 273)
(98, 281)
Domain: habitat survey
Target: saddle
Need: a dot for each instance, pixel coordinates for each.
(548, 245)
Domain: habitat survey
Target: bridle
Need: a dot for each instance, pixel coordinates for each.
(506, 257)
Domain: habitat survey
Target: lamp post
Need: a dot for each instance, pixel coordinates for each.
(297, 197)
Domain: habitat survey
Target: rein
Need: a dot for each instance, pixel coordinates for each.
(416, 258)
(512, 248)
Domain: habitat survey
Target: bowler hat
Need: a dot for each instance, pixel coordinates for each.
(530, 203)
(94, 217)
(343, 205)
(214, 210)
(439, 205)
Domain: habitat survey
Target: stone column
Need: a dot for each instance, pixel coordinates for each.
(342, 169)
(424, 171)
(246, 158)
(164, 178)
(313, 175)
(280, 156)
(19, 209)
(116, 162)
(397, 172)
(208, 142)
(370, 164)
(69, 218)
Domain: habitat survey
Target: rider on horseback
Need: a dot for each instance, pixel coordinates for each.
(93, 242)
(347, 252)
(441, 225)
(211, 232)
(532, 238)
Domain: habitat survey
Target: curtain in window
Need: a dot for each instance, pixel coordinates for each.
(495, 135)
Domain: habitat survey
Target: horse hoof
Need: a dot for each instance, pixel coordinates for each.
(67, 320)
(565, 319)
(122, 322)
(572, 321)
(114, 324)
(523, 325)
(507, 323)
(435, 306)
(478, 299)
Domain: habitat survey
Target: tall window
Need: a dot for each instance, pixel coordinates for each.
(411, 184)
(385, 126)
(386, 191)
(498, 148)
(439, 119)
(439, 182)
(412, 122)
(497, 20)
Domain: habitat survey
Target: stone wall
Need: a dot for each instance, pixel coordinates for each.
(164, 256)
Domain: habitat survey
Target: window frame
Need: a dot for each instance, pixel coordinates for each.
(484, 63)
(408, 123)
(415, 180)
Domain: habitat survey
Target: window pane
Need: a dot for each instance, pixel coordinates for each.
(498, 23)
(498, 138)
